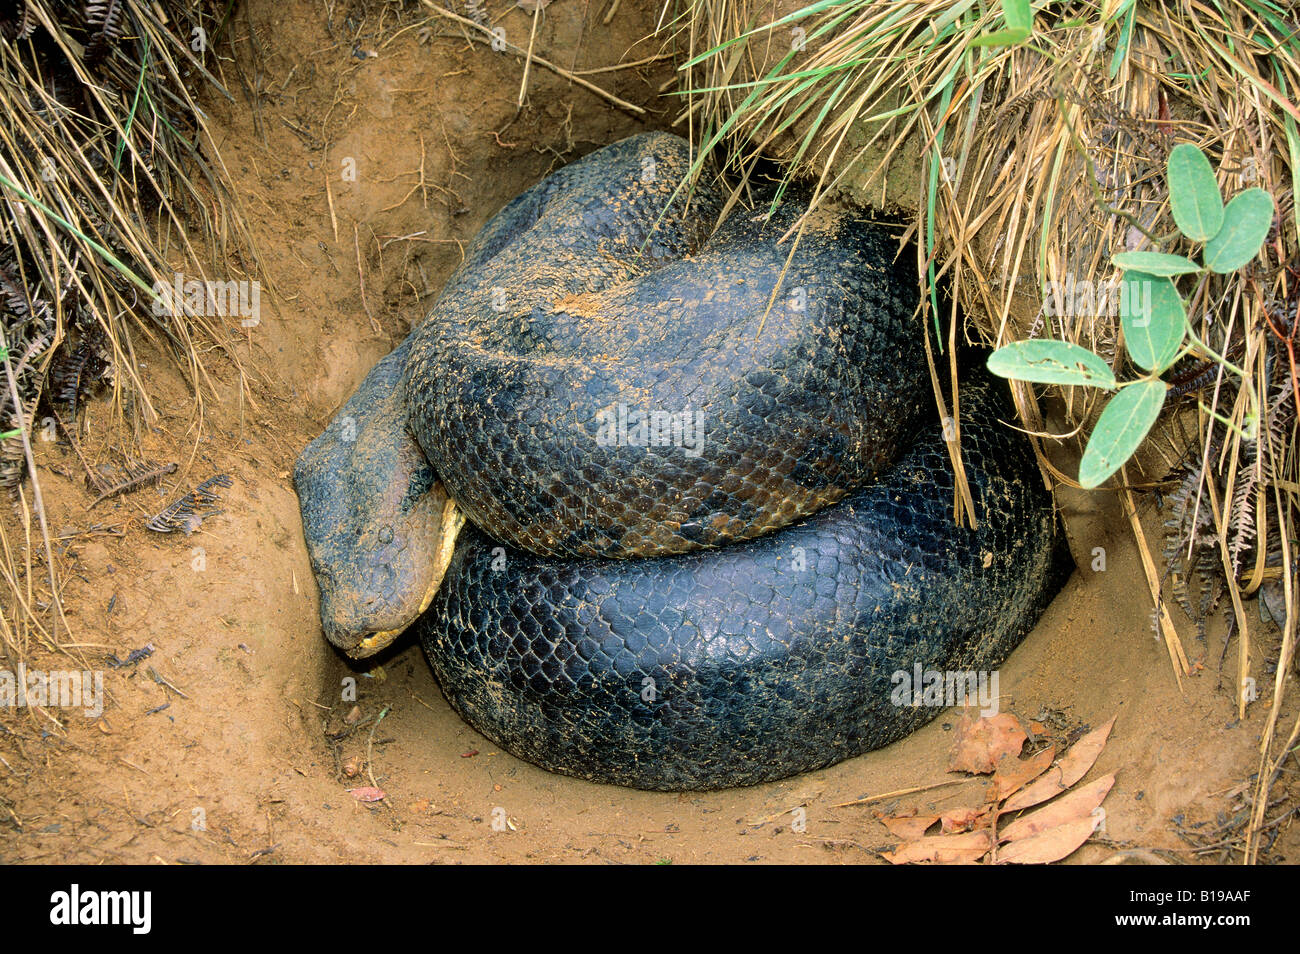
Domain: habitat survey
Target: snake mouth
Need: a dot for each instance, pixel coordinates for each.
(452, 521)
(373, 643)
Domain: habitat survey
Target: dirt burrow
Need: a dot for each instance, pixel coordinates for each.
(237, 738)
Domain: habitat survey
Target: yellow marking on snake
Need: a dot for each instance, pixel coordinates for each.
(452, 522)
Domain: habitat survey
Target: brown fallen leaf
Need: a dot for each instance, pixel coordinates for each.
(1041, 837)
(1080, 803)
(907, 827)
(1073, 766)
(368, 794)
(966, 848)
(957, 820)
(1012, 773)
(979, 743)
(1048, 846)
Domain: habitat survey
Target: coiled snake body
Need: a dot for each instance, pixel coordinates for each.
(696, 556)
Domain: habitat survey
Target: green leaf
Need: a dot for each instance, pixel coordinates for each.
(1122, 426)
(1125, 37)
(1293, 148)
(1048, 361)
(1001, 38)
(1246, 222)
(1018, 15)
(1193, 193)
(1154, 320)
(1155, 263)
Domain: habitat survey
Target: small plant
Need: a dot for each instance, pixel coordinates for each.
(1018, 18)
(1157, 332)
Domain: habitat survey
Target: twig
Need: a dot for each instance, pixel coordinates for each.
(557, 70)
(630, 65)
(423, 703)
(36, 485)
(903, 791)
(361, 274)
(528, 59)
(329, 199)
(163, 681)
(95, 481)
(1177, 657)
(370, 768)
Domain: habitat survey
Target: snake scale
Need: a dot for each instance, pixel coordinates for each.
(667, 506)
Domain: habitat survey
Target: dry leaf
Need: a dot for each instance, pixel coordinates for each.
(967, 848)
(1073, 766)
(979, 743)
(1081, 803)
(367, 794)
(1048, 846)
(1041, 837)
(1012, 773)
(907, 827)
(962, 819)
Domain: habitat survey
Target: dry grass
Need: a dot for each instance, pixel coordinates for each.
(1039, 161)
(106, 174)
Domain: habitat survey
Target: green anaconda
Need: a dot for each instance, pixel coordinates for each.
(709, 509)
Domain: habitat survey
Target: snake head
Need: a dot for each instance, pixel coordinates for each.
(379, 527)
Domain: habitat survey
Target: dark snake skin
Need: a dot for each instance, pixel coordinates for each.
(509, 394)
(766, 658)
(731, 604)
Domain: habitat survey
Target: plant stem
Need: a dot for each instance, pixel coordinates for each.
(36, 487)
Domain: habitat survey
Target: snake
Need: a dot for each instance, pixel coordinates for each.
(659, 486)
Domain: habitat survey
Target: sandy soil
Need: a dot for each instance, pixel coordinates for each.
(232, 741)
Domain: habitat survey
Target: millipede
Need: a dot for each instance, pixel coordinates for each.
(191, 510)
